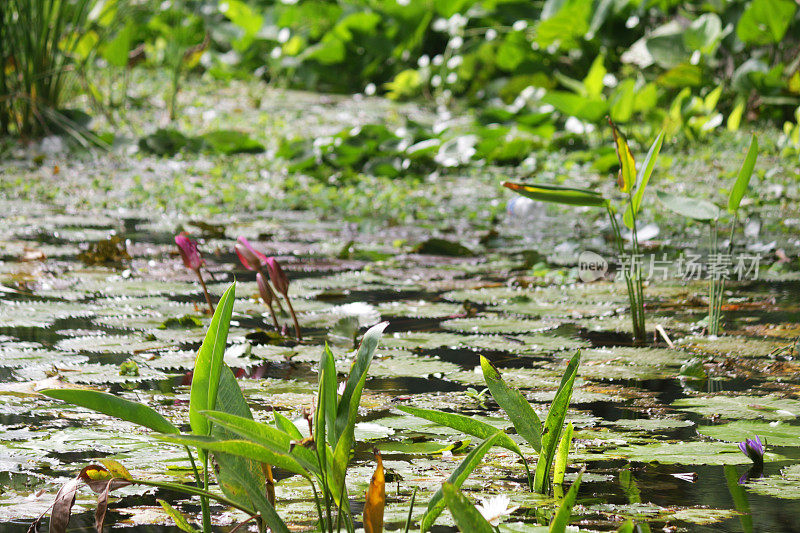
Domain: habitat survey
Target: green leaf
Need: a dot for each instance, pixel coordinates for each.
(235, 470)
(643, 178)
(208, 365)
(230, 142)
(582, 107)
(627, 527)
(627, 165)
(177, 517)
(462, 471)
(561, 518)
(239, 479)
(264, 435)
(522, 415)
(240, 448)
(554, 425)
(465, 515)
(743, 178)
(325, 414)
(562, 456)
(116, 50)
(765, 21)
(363, 359)
(464, 424)
(111, 405)
(287, 426)
(700, 210)
(558, 195)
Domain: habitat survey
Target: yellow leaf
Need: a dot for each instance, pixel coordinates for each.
(116, 469)
(376, 499)
(627, 165)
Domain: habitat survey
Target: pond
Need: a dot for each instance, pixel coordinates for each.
(655, 426)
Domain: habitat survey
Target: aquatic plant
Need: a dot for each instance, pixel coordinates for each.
(754, 450)
(243, 450)
(252, 259)
(193, 261)
(544, 439)
(707, 212)
(181, 41)
(213, 386)
(632, 185)
(323, 456)
(485, 518)
(38, 41)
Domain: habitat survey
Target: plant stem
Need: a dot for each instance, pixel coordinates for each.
(294, 317)
(638, 330)
(411, 509)
(206, 510)
(205, 290)
(203, 499)
(173, 102)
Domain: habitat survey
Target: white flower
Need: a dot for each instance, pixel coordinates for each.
(341, 387)
(491, 34)
(495, 508)
(284, 34)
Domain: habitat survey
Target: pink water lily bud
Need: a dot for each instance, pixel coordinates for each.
(263, 289)
(277, 276)
(251, 258)
(189, 252)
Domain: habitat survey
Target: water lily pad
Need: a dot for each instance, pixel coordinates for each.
(685, 453)
(731, 346)
(497, 324)
(775, 433)
(736, 407)
(509, 343)
(109, 344)
(786, 485)
(420, 309)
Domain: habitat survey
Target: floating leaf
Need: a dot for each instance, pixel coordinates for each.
(559, 195)
(700, 210)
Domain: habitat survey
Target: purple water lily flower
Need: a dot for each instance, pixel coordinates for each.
(754, 449)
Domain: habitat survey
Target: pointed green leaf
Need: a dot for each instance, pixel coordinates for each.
(561, 518)
(554, 425)
(264, 435)
(522, 415)
(208, 365)
(743, 178)
(627, 165)
(457, 478)
(642, 179)
(240, 448)
(111, 405)
(562, 456)
(464, 424)
(325, 414)
(558, 195)
(287, 426)
(177, 517)
(466, 516)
